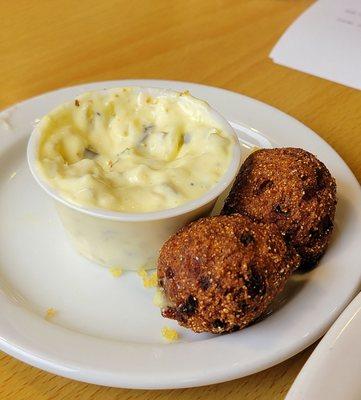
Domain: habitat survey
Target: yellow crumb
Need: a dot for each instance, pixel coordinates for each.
(159, 299)
(142, 273)
(170, 334)
(148, 280)
(116, 271)
(50, 313)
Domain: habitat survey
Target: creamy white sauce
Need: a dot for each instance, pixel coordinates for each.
(128, 151)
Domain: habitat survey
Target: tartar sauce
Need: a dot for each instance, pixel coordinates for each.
(128, 151)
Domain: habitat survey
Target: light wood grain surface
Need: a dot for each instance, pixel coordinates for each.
(49, 44)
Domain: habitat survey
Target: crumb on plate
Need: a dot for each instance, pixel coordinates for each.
(159, 299)
(170, 334)
(149, 280)
(50, 313)
(116, 271)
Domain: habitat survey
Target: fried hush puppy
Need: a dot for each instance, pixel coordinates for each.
(220, 273)
(293, 189)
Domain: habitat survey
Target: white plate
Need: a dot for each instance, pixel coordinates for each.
(333, 370)
(107, 330)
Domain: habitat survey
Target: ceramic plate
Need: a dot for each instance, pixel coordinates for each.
(333, 370)
(107, 330)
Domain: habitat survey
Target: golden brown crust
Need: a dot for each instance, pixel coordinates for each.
(221, 273)
(292, 188)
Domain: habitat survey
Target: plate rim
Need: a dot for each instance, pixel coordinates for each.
(319, 355)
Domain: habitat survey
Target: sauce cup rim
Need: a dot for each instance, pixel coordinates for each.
(187, 207)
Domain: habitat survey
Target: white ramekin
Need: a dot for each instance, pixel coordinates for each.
(130, 240)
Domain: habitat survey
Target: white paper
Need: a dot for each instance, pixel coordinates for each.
(325, 41)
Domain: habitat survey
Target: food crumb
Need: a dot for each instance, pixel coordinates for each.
(116, 271)
(159, 298)
(170, 334)
(76, 102)
(50, 313)
(148, 280)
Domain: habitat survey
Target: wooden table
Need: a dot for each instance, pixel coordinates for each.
(48, 44)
